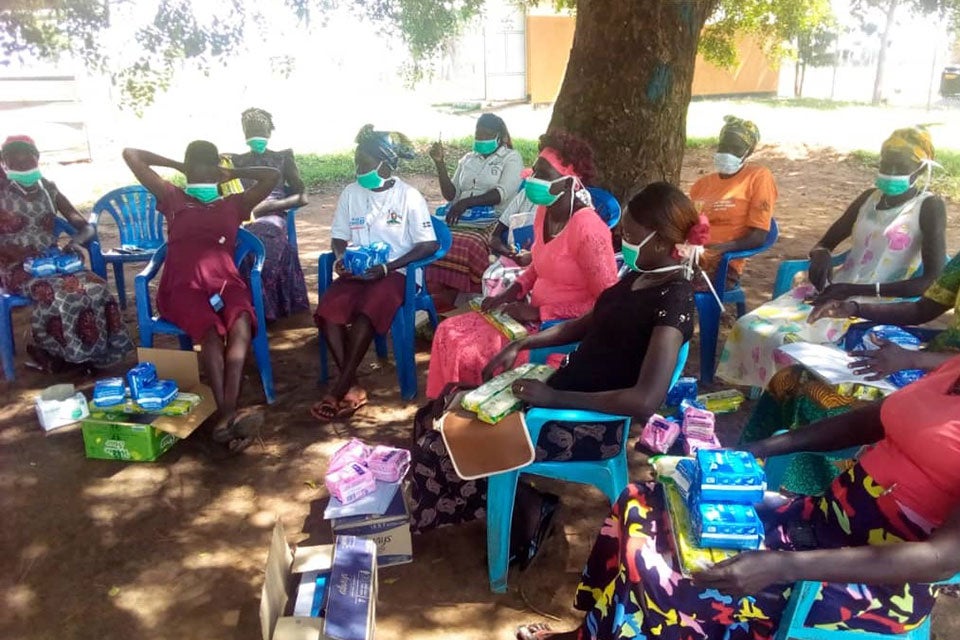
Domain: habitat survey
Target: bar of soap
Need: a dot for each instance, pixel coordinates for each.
(726, 401)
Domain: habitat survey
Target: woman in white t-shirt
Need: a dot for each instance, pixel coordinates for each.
(378, 207)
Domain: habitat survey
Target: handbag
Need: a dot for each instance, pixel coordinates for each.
(478, 449)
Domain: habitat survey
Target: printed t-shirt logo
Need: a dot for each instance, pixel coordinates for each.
(394, 218)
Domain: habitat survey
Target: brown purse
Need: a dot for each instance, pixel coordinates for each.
(479, 449)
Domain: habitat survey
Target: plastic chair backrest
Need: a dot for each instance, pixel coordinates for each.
(720, 275)
(134, 210)
(606, 205)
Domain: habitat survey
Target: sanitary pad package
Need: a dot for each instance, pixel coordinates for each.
(503, 322)
(659, 434)
(354, 451)
(109, 392)
(873, 338)
(140, 377)
(692, 445)
(494, 400)
(698, 423)
(357, 259)
(727, 526)
(726, 401)
(729, 476)
(684, 389)
(351, 482)
(68, 263)
(388, 464)
(158, 395)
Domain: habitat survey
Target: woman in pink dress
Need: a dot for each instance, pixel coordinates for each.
(573, 263)
(201, 240)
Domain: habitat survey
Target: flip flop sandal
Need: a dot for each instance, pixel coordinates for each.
(246, 424)
(348, 407)
(326, 410)
(537, 631)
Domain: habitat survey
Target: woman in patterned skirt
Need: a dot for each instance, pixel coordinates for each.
(887, 528)
(74, 318)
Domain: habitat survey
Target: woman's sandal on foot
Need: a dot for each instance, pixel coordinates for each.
(239, 432)
(351, 403)
(537, 631)
(326, 410)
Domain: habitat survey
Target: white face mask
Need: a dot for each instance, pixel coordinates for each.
(727, 164)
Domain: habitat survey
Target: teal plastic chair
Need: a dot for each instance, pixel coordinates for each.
(609, 476)
(708, 313)
(805, 594)
(415, 298)
(134, 211)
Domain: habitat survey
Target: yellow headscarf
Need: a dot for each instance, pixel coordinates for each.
(743, 130)
(912, 144)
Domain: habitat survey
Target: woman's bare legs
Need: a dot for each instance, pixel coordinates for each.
(348, 346)
(238, 343)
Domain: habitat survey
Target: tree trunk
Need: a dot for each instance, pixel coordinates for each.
(627, 86)
(882, 58)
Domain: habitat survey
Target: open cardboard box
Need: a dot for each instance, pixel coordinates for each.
(349, 610)
(145, 437)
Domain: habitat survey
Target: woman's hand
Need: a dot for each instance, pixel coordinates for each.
(522, 312)
(81, 239)
(534, 392)
(341, 269)
(523, 258)
(888, 359)
(502, 361)
(745, 574)
(492, 303)
(374, 273)
(436, 152)
(454, 212)
(834, 309)
(820, 268)
(839, 291)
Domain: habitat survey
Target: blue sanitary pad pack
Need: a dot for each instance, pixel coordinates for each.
(68, 263)
(685, 389)
(727, 526)
(140, 377)
(109, 392)
(873, 338)
(52, 262)
(157, 395)
(357, 259)
(729, 476)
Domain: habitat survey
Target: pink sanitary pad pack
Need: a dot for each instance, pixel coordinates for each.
(388, 464)
(351, 482)
(692, 445)
(659, 434)
(698, 423)
(352, 452)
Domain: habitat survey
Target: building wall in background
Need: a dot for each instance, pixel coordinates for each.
(549, 38)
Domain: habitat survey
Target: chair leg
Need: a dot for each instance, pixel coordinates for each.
(380, 345)
(121, 284)
(501, 492)
(6, 342)
(146, 336)
(709, 316)
(402, 331)
(261, 351)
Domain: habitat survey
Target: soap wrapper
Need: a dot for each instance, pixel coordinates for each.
(350, 483)
(109, 392)
(354, 452)
(497, 401)
(473, 399)
(659, 434)
(388, 464)
(503, 322)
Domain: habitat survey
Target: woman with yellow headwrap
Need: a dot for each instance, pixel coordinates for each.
(893, 229)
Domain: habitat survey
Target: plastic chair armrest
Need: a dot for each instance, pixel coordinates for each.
(141, 285)
(536, 417)
(325, 271)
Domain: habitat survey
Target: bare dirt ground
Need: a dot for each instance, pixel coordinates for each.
(174, 549)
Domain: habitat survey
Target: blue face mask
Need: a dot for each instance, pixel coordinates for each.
(257, 145)
(892, 185)
(371, 179)
(204, 192)
(486, 147)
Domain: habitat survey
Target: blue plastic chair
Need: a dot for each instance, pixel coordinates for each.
(10, 301)
(150, 324)
(709, 313)
(609, 476)
(605, 204)
(292, 229)
(789, 269)
(134, 210)
(805, 594)
(415, 298)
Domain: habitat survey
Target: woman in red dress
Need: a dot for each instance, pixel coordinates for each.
(201, 240)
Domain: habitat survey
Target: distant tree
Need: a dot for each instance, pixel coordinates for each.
(815, 48)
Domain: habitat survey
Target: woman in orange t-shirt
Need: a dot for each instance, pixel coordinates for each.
(738, 198)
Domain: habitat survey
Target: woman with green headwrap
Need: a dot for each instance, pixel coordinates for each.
(75, 319)
(284, 289)
(738, 198)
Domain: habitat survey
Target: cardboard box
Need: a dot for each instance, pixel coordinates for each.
(144, 438)
(349, 612)
(390, 531)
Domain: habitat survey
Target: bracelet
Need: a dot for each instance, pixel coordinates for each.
(877, 288)
(386, 271)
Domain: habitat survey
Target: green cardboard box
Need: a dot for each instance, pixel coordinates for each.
(145, 437)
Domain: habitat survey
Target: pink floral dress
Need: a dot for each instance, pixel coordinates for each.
(566, 277)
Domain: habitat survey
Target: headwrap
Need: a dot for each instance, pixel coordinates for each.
(495, 123)
(21, 141)
(388, 146)
(552, 156)
(741, 130)
(912, 144)
(256, 123)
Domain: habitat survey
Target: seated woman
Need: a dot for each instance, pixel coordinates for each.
(629, 343)
(74, 318)
(942, 296)
(891, 229)
(201, 242)
(487, 176)
(284, 289)
(572, 264)
(892, 522)
(738, 199)
(378, 207)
